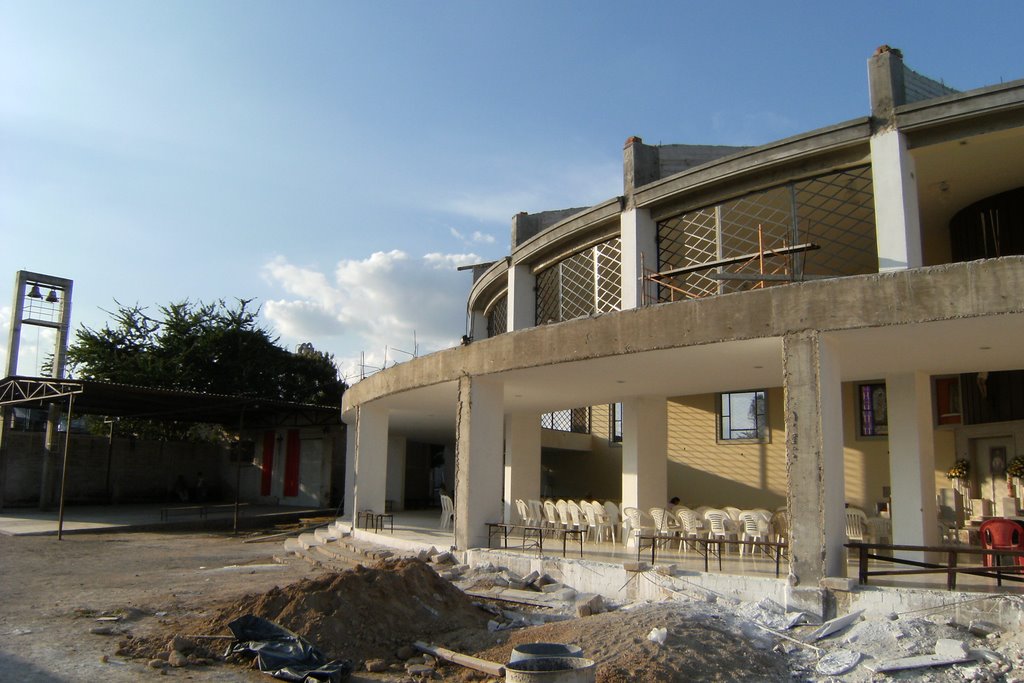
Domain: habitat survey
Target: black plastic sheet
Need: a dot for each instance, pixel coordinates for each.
(283, 654)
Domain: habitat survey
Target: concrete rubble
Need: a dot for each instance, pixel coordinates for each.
(855, 646)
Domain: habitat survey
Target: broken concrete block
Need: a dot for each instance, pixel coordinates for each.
(376, 665)
(834, 625)
(552, 587)
(949, 647)
(500, 581)
(839, 583)
(181, 644)
(588, 604)
(443, 558)
(634, 566)
(177, 660)
(918, 662)
(544, 580)
(531, 578)
(156, 664)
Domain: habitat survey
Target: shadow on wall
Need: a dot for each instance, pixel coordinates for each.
(696, 487)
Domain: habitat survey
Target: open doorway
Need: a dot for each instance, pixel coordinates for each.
(991, 456)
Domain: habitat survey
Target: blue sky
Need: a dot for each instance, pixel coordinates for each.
(337, 160)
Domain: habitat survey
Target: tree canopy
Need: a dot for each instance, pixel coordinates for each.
(213, 348)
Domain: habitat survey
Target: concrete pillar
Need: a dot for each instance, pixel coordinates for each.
(350, 474)
(522, 460)
(645, 452)
(911, 460)
(814, 465)
(371, 468)
(639, 235)
(522, 298)
(396, 472)
(897, 217)
(480, 428)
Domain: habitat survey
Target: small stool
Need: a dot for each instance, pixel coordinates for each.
(378, 524)
(365, 519)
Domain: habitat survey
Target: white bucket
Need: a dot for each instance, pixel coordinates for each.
(535, 650)
(551, 670)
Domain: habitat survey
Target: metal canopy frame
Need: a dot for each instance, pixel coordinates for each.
(92, 397)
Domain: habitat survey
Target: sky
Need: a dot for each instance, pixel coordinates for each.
(337, 161)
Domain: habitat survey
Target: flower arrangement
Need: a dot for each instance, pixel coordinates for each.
(1016, 467)
(959, 470)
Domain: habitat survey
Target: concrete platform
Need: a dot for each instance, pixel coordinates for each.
(98, 518)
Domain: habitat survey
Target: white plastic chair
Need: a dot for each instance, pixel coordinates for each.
(718, 524)
(752, 529)
(597, 522)
(524, 512)
(611, 517)
(689, 527)
(562, 507)
(856, 525)
(576, 515)
(447, 512)
(550, 515)
(639, 522)
(536, 511)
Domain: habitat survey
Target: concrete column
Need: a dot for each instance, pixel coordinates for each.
(639, 235)
(911, 460)
(371, 468)
(480, 428)
(522, 460)
(396, 472)
(645, 452)
(814, 465)
(350, 474)
(897, 218)
(522, 298)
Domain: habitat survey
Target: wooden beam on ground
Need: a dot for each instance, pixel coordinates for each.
(468, 661)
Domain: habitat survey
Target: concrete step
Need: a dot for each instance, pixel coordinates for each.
(292, 545)
(308, 541)
(327, 534)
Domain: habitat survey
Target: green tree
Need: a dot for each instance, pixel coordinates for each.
(212, 348)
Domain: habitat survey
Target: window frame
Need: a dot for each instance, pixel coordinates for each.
(761, 424)
(879, 428)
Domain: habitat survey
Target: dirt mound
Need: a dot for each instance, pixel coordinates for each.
(696, 649)
(362, 613)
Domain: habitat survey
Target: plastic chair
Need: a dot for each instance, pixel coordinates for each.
(524, 513)
(778, 526)
(856, 525)
(576, 515)
(536, 511)
(612, 517)
(447, 512)
(637, 524)
(562, 507)
(752, 529)
(551, 515)
(663, 520)
(597, 522)
(1001, 534)
(689, 527)
(718, 524)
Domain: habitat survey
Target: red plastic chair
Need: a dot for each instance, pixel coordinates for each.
(1001, 534)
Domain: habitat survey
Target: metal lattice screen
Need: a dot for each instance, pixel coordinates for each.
(497, 317)
(834, 211)
(576, 420)
(580, 285)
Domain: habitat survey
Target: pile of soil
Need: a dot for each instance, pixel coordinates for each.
(359, 614)
(696, 649)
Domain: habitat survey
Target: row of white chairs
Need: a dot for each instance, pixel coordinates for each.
(742, 526)
(600, 520)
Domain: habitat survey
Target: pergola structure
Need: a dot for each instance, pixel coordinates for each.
(91, 397)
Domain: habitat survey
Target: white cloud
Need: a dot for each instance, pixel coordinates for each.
(482, 238)
(366, 305)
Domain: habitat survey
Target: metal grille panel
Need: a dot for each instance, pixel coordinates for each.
(838, 212)
(576, 420)
(686, 239)
(609, 275)
(580, 285)
(834, 211)
(497, 317)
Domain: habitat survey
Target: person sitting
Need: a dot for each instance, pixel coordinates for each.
(673, 504)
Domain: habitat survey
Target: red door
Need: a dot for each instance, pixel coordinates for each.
(291, 464)
(267, 464)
